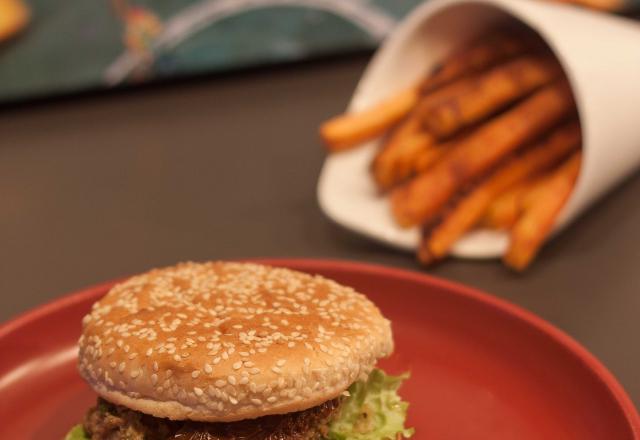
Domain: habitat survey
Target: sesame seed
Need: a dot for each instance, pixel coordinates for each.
(276, 370)
(231, 379)
(195, 374)
(208, 369)
(281, 362)
(256, 401)
(198, 391)
(237, 365)
(220, 383)
(121, 367)
(272, 399)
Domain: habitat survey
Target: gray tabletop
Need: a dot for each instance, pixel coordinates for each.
(98, 187)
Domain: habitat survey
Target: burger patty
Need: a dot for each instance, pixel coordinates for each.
(107, 421)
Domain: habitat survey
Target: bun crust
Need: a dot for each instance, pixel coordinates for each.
(222, 341)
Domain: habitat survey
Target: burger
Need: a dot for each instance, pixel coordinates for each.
(220, 350)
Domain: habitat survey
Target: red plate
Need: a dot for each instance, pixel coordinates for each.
(480, 368)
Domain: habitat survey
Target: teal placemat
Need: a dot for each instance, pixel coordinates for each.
(74, 45)
(71, 45)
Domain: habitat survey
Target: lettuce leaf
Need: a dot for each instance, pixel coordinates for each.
(77, 433)
(373, 411)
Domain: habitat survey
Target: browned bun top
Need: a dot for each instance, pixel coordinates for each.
(224, 341)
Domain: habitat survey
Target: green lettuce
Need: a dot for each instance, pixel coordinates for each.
(373, 411)
(77, 433)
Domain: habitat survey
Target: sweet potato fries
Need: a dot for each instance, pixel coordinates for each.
(482, 141)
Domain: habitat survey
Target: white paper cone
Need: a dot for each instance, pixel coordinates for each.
(601, 57)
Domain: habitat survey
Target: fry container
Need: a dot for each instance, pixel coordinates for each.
(600, 54)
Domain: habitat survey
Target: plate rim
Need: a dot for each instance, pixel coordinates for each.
(567, 342)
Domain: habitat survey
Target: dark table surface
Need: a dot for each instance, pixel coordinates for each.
(97, 187)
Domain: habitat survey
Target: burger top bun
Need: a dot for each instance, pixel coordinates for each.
(223, 341)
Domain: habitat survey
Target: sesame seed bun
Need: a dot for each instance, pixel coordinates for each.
(221, 342)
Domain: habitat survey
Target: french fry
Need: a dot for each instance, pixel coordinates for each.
(428, 157)
(490, 92)
(408, 142)
(350, 129)
(504, 210)
(392, 163)
(419, 199)
(398, 164)
(479, 55)
(471, 207)
(537, 192)
(531, 230)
